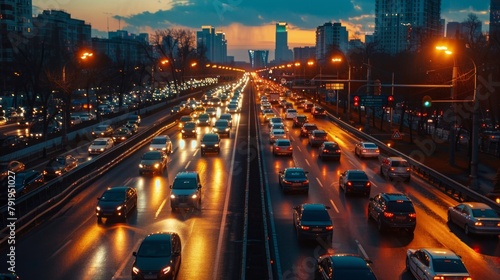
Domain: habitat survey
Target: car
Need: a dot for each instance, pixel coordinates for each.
(395, 167)
(268, 114)
(154, 162)
(307, 128)
(134, 119)
(161, 143)
(75, 120)
(221, 127)
(132, 127)
(343, 266)
(197, 111)
(318, 111)
(175, 109)
(392, 210)
(25, 123)
(8, 167)
(100, 145)
(116, 202)
(210, 142)
(211, 111)
(293, 179)
(274, 120)
(203, 120)
(232, 108)
(355, 181)
(13, 141)
(366, 149)
(307, 106)
(215, 102)
(227, 117)
(282, 147)
(299, 121)
(189, 130)
(3, 120)
(158, 257)
(490, 136)
(435, 263)
(27, 181)
(312, 221)
(290, 114)
(276, 134)
(9, 276)
(186, 191)
(475, 218)
(121, 134)
(59, 165)
(329, 150)
(317, 137)
(87, 116)
(279, 126)
(102, 130)
(183, 120)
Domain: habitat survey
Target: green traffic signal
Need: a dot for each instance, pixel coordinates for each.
(427, 101)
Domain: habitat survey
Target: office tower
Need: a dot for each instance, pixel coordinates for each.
(258, 58)
(330, 37)
(213, 44)
(281, 52)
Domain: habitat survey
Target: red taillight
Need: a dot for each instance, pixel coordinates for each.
(408, 169)
(377, 151)
(388, 214)
(304, 227)
(290, 148)
(349, 183)
(329, 228)
(392, 168)
(412, 215)
(368, 184)
(305, 182)
(325, 151)
(338, 151)
(277, 148)
(364, 151)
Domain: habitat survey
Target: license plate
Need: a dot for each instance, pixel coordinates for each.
(317, 229)
(150, 276)
(400, 218)
(297, 184)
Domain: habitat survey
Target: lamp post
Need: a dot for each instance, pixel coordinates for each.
(348, 87)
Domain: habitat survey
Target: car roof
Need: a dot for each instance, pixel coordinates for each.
(294, 168)
(187, 174)
(159, 236)
(161, 137)
(396, 159)
(441, 253)
(477, 205)
(326, 143)
(395, 196)
(356, 171)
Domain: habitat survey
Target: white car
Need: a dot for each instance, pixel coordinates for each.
(435, 263)
(290, 114)
(162, 143)
(100, 145)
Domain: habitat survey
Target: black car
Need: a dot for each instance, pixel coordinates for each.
(299, 121)
(312, 221)
(392, 210)
(221, 127)
(203, 119)
(153, 162)
(158, 257)
(210, 143)
(329, 150)
(121, 134)
(317, 111)
(132, 127)
(189, 130)
(6, 167)
(228, 117)
(102, 130)
(116, 202)
(59, 165)
(293, 179)
(355, 181)
(307, 128)
(186, 191)
(27, 181)
(343, 266)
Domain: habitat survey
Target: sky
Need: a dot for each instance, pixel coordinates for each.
(247, 24)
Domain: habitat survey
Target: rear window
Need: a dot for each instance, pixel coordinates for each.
(301, 118)
(283, 143)
(449, 266)
(331, 147)
(358, 176)
(400, 206)
(319, 134)
(370, 146)
(398, 163)
(295, 174)
(159, 141)
(315, 215)
(184, 183)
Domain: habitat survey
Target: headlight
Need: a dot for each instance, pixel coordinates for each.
(157, 165)
(227, 129)
(203, 145)
(215, 129)
(140, 165)
(194, 196)
(150, 148)
(164, 148)
(183, 131)
(118, 208)
(98, 208)
(90, 149)
(135, 270)
(172, 196)
(216, 145)
(102, 149)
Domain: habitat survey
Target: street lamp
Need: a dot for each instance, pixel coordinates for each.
(348, 86)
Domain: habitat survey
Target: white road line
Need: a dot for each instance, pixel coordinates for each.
(334, 206)
(319, 182)
(308, 162)
(125, 262)
(60, 249)
(187, 165)
(159, 208)
(291, 138)
(361, 250)
(195, 152)
(352, 162)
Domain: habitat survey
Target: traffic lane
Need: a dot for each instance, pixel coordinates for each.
(72, 256)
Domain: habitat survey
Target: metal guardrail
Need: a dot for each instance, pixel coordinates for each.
(448, 185)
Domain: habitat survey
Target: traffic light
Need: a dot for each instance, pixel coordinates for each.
(427, 101)
(390, 101)
(356, 101)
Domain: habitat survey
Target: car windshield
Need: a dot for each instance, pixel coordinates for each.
(398, 163)
(320, 134)
(448, 266)
(159, 141)
(113, 196)
(278, 132)
(221, 124)
(315, 215)
(357, 176)
(283, 143)
(154, 249)
(484, 213)
(400, 206)
(370, 146)
(55, 163)
(353, 273)
(151, 156)
(225, 117)
(232, 106)
(291, 111)
(189, 125)
(295, 174)
(184, 183)
(210, 138)
(301, 119)
(204, 117)
(99, 143)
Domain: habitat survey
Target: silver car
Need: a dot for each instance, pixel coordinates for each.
(475, 217)
(435, 263)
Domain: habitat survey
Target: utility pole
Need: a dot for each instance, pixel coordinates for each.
(368, 90)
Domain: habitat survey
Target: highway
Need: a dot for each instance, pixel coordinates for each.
(71, 245)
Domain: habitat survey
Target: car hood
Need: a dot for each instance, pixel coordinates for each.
(183, 191)
(154, 263)
(209, 143)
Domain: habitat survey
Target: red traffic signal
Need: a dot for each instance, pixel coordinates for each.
(390, 101)
(356, 101)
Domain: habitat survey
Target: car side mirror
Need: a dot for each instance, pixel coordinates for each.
(170, 186)
(199, 186)
(134, 254)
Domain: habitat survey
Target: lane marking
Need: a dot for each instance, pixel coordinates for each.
(319, 182)
(125, 262)
(160, 208)
(298, 148)
(60, 249)
(308, 162)
(334, 206)
(362, 250)
(187, 165)
(195, 152)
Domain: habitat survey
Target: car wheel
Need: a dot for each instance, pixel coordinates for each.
(467, 230)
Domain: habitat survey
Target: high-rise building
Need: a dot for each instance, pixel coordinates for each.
(15, 23)
(400, 25)
(123, 46)
(330, 37)
(281, 52)
(212, 44)
(258, 58)
(304, 53)
(495, 22)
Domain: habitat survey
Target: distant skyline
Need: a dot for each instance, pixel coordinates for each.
(247, 24)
